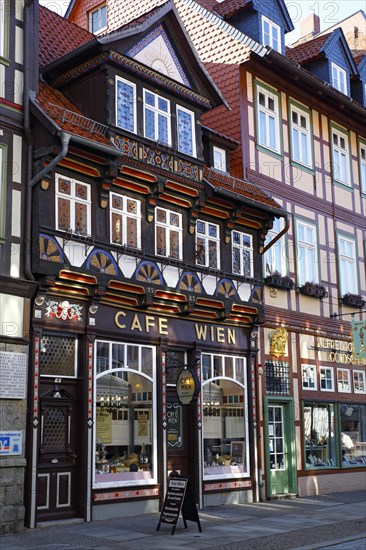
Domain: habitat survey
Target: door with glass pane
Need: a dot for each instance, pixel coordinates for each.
(279, 462)
(59, 455)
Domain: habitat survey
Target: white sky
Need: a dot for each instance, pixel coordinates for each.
(329, 11)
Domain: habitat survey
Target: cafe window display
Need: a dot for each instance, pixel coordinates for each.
(320, 436)
(125, 419)
(353, 434)
(224, 403)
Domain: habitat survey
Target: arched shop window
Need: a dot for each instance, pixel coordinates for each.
(125, 416)
(225, 419)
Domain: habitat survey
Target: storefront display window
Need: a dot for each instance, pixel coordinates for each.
(125, 419)
(353, 434)
(320, 436)
(224, 402)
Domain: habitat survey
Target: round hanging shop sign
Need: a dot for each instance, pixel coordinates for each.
(187, 386)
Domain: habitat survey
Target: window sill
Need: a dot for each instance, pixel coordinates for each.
(271, 152)
(303, 167)
(342, 185)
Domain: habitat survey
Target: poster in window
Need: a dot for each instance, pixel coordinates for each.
(237, 451)
(174, 428)
(104, 426)
(142, 425)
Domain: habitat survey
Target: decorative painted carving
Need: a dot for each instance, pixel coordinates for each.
(279, 339)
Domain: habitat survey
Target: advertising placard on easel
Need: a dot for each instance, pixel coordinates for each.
(178, 498)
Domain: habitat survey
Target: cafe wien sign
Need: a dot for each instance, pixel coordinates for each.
(339, 351)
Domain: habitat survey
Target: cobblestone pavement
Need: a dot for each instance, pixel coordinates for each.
(334, 522)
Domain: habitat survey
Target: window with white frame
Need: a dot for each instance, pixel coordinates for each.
(307, 252)
(275, 257)
(3, 28)
(341, 157)
(225, 425)
(157, 118)
(219, 158)
(271, 34)
(207, 244)
(308, 374)
(242, 253)
(343, 379)
(168, 234)
(339, 79)
(359, 385)
(347, 261)
(3, 163)
(125, 386)
(301, 136)
(125, 218)
(73, 205)
(98, 19)
(186, 131)
(362, 160)
(326, 379)
(268, 119)
(125, 105)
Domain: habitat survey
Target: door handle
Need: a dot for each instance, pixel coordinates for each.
(73, 456)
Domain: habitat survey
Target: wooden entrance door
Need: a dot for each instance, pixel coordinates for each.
(59, 458)
(182, 448)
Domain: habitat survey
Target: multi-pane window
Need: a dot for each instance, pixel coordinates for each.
(326, 379)
(125, 220)
(2, 189)
(347, 265)
(343, 379)
(308, 373)
(271, 34)
(359, 381)
(301, 136)
(242, 253)
(207, 244)
(157, 118)
(339, 78)
(363, 167)
(125, 105)
(168, 234)
(307, 252)
(3, 12)
(219, 158)
(186, 131)
(268, 119)
(225, 425)
(73, 206)
(341, 157)
(275, 257)
(321, 445)
(98, 19)
(353, 434)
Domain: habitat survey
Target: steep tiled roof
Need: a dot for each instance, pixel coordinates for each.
(247, 190)
(358, 56)
(229, 8)
(57, 36)
(308, 51)
(210, 5)
(68, 117)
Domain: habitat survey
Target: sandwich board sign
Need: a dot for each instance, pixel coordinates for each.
(179, 499)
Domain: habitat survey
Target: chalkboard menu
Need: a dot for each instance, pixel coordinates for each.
(178, 498)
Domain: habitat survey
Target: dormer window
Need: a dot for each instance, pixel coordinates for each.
(98, 19)
(339, 79)
(157, 118)
(185, 131)
(271, 34)
(125, 105)
(219, 158)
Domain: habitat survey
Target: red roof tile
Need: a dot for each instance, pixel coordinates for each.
(68, 117)
(57, 36)
(307, 51)
(238, 186)
(229, 8)
(210, 5)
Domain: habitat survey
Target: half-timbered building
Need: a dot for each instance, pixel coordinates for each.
(147, 255)
(298, 116)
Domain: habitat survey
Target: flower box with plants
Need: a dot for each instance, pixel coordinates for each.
(276, 280)
(313, 289)
(353, 300)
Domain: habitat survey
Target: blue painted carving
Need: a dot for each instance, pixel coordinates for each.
(226, 289)
(101, 261)
(189, 281)
(148, 272)
(50, 250)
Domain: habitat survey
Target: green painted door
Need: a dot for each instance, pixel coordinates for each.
(280, 468)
